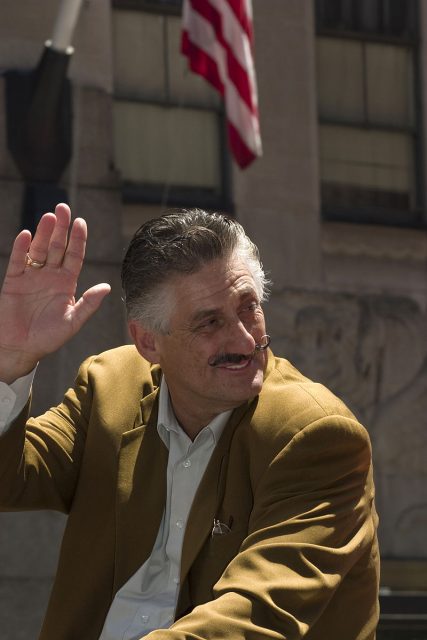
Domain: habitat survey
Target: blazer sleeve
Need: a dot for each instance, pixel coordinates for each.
(40, 458)
(312, 521)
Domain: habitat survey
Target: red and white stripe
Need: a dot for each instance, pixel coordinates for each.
(217, 38)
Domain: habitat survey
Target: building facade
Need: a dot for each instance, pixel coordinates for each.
(337, 206)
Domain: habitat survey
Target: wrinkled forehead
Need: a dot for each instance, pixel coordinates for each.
(214, 285)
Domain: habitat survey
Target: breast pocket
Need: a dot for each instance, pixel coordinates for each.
(214, 557)
(225, 540)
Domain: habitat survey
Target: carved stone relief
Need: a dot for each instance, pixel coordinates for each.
(372, 352)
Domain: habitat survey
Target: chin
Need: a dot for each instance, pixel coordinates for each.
(249, 393)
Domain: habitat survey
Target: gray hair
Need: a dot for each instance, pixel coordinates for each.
(180, 243)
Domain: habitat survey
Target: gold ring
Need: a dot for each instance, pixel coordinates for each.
(29, 262)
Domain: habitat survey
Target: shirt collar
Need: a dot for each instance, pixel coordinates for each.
(167, 421)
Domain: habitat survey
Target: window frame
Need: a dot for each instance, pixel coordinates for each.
(411, 218)
(175, 195)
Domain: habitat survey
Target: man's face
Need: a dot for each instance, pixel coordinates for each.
(208, 356)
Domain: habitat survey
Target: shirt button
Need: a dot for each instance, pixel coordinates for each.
(179, 524)
(6, 400)
(145, 619)
(176, 580)
(186, 463)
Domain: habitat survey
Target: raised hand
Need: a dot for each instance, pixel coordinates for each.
(38, 311)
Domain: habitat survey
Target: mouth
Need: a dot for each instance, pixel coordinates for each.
(232, 361)
(237, 366)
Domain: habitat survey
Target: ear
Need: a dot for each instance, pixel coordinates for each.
(145, 341)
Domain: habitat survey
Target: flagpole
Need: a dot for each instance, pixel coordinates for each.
(65, 24)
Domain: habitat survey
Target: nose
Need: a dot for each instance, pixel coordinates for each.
(239, 339)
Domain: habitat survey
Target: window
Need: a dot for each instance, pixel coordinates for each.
(169, 133)
(368, 112)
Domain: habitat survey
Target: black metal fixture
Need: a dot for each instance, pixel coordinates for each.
(39, 119)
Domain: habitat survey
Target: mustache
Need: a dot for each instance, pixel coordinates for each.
(237, 358)
(229, 358)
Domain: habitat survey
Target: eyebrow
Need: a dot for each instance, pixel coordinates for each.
(203, 314)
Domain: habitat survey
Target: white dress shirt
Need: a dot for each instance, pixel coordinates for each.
(13, 399)
(148, 599)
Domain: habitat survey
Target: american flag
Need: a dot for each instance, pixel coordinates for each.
(217, 38)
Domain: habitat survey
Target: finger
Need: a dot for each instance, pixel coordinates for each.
(74, 254)
(40, 243)
(90, 301)
(58, 239)
(19, 251)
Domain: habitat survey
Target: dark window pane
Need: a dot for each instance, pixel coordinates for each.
(368, 16)
(396, 18)
(154, 3)
(329, 14)
(163, 6)
(352, 196)
(399, 17)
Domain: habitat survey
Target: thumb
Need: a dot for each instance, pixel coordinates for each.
(89, 302)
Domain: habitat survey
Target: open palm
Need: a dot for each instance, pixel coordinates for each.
(38, 311)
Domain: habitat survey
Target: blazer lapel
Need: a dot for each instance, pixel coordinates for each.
(141, 492)
(209, 495)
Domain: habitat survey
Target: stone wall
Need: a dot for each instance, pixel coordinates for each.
(371, 350)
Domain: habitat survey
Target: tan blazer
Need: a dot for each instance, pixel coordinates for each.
(290, 476)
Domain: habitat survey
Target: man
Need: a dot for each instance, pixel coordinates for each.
(212, 490)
